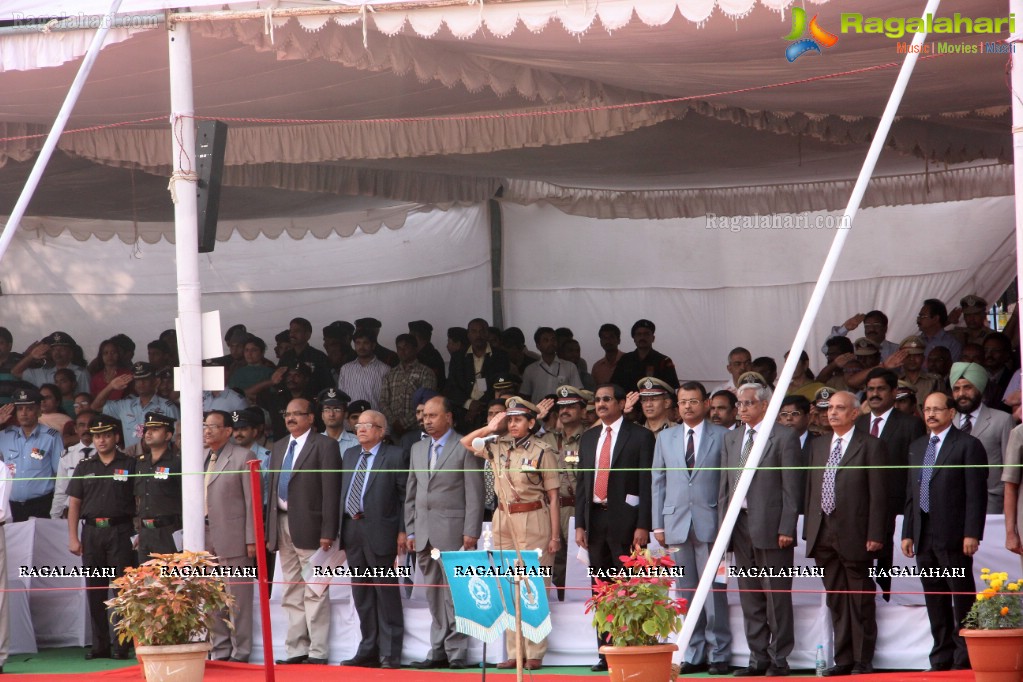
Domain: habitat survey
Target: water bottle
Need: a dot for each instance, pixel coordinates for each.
(821, 664)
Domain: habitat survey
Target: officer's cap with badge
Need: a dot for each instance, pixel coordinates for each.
(301, 368)
(904, 390)
(27, 396)
(250, 416)
(142, 370)
(865, 346)
(502, 382)
(973, 305)
(569, 395)
(913, 345)
(752, 378)
(332, 397)
(653, 387)
(156, 420)
(59, 339)
(823, 397)
(102, 423)
(368, 323)
(520, 406)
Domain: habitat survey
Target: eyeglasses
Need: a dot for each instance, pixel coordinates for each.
(82, 404)
(746, 403)
(935, 410)
(287, 415)
(605, 399)
(793, 414)
(361, 426)
(690, 402)
(211, 427)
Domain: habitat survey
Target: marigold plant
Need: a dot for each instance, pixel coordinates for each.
(170, 599)
(635, 608)
(998, 605)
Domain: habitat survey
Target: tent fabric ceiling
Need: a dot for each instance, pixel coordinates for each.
(445, 105)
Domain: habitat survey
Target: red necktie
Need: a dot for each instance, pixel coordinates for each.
(603, 468)
(874, 431)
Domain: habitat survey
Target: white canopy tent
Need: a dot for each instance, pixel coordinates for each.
(522, 96)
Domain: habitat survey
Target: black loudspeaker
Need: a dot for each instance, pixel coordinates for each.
(210, 145)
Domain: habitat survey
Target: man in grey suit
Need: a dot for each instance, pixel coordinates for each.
(230, 531)
(991, 427)
(373, 480)
(765, 531)
(686, 478)
(301, 517)
(443, 509)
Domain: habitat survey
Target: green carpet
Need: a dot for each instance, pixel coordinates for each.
(67, 660)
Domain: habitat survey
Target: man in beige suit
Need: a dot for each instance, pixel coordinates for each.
(230, 533)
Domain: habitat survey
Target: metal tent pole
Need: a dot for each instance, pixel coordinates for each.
(809, 316)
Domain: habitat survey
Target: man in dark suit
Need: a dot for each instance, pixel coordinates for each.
(896, 430)
(765, 531)
(943, 525)
(846, 515)
(373, 481)
(686, 480)
(467, 385)
(301, 517)
(443, 509)
(613, 487)
(230, 531)
(645, 361)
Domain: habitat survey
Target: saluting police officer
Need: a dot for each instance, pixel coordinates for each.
(527, 483)
(100, 494)
(158, 487)
(565, 441)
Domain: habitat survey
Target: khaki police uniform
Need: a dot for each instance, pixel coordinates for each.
(564, 447)
(522, 511)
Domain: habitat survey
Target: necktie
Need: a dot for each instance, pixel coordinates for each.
(743, 456)
(434, 455)
(875, 428)
(353, 505)
(828, 489)
(690, 452)
(490, 496)
(967, 425)
(289, 462)
(603, 467)
(206, 482)
(930, 455)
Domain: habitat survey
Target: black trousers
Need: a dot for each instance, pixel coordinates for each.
(38, 507)
(946, 610)
(108, 547)
(377, 600)
(604, 550)
(853, 616)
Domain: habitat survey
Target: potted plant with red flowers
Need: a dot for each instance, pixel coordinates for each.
(637, 613)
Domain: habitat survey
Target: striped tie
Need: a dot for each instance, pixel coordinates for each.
(353, 505)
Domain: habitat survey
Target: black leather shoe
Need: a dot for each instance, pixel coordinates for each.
(237, 660)
(599, 667)
(751, 671)
(120, 656)
(838, 671)
(457, 665)
(316, 661)
(778, 671)
(690, 668)
(362, 662)
(429, 664)
(390, 664)
(93, 655)
(293, 660)
(719, 669)
(862, 669)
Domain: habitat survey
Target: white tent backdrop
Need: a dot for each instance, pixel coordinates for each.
(708, 289)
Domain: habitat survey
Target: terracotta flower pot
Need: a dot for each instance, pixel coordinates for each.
(995, 655)
(651, 663)
(176, 662)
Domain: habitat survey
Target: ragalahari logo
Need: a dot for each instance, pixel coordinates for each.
(818, 36)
